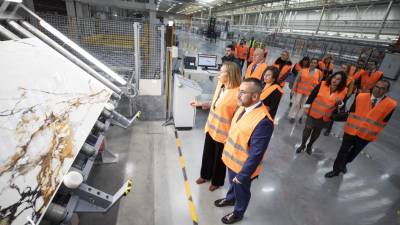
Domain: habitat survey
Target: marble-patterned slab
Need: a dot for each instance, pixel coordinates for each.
(48, 106)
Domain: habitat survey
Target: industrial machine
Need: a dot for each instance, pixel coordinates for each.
(185, 91)
(390, 65)
(56, 110)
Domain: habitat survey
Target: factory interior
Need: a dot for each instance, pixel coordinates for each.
(178, 112)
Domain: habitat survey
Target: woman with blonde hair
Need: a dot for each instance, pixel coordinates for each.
(222, 107)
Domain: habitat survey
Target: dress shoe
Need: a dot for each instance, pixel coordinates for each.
(327, 132)
(300, 149)
(231, 218)
(332, 174)
(200, 180)
(213, 187)
(291, 120)
(344, 170)
(300, 121)
(223, 202)
(309, 149)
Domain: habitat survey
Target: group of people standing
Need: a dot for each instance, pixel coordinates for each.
(241, 118)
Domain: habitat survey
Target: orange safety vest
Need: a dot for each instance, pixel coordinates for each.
(322, 66)
(237, 146)
(298, 67)
(368, 82)
(307, 83)
(324, 104)
(241, 52)
(258, 72)
(354, 74)
(251, 55)
(219, 118)
(282, 72)
(267, 91)
(367, 122)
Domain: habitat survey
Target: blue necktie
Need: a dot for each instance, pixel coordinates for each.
(240, 115)
(374, 101)
(254, 68)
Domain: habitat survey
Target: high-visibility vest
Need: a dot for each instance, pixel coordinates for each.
(307, 83)
(241, 52)
(268, 90)
(324, 104)
(219, 118)
(298, 67)
(367, 122)
(237, 146)
(322, 66)
(354, 74)
(282, 71)
(258, 72)
(350, 85)
(368, 82)
(251, 55)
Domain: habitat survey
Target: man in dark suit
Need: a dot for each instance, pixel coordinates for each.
(368, 116)
(230, 55)
(247, 141)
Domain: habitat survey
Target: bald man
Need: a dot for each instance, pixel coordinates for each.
(258, 66)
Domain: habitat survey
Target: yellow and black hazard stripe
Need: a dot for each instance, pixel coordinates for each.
(187, 186)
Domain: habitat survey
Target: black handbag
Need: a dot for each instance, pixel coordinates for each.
(340, 115)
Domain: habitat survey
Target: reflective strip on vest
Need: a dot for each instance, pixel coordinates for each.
(221, 132)
(322, 104)
(220, 119)
(373, 122)
(362, 129)
(326, 114)
(235, 145)
(231, 157)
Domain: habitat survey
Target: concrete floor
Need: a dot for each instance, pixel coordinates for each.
(291, 190)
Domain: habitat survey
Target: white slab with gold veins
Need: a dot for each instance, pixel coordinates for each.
(48, 106)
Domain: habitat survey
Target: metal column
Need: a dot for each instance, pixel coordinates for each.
(384, 19)
(162, 58)
(320, 19)
(136, 36)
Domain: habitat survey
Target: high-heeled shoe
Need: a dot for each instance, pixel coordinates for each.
(200, 180)
(213, 187)
(300, 149)
(309, 149)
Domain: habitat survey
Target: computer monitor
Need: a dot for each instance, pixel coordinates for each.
(205, 60)
(189, 62)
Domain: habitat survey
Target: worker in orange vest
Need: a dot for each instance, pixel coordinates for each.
(258, 66)
(222, 107)
(345, 68)
(284, 66)
(243, 154)
(368, 116)
(303, 63)
(368, 78)
(241, 51)
(272, 92)
(326, 66)
(321, 103)
(250, 55)
(358, 69)
(305, 82)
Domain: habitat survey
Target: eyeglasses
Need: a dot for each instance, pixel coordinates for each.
(245, 92)
(380, 88)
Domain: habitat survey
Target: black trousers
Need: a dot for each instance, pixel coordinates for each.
(350, 148)
(212, 166)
